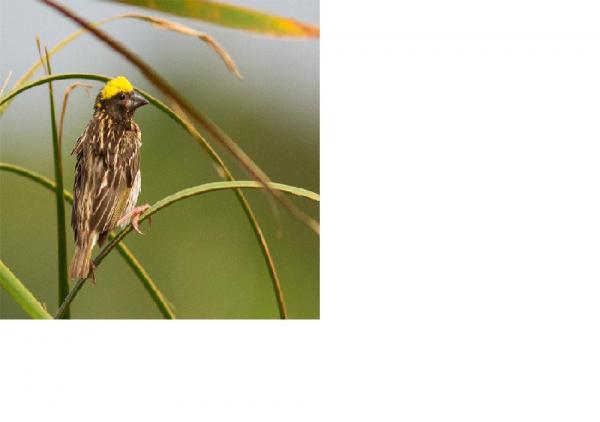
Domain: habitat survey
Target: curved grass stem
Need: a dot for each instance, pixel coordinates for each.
(258, 233)
(63, 111)
(170, 200)
(157, 296)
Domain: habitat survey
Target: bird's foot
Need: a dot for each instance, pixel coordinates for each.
(134, 214)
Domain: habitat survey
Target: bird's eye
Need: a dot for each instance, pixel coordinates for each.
(121, 96)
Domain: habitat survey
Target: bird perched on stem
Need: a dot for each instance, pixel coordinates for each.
(107, 173)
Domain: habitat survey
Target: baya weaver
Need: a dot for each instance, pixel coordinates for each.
(107, 173)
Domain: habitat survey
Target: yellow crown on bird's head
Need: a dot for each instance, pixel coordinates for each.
(115, 86)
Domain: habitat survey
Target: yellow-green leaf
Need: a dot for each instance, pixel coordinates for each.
(230, 16)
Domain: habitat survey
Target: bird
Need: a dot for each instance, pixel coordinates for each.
(107, 173)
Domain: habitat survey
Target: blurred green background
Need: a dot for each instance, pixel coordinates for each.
(201, 252)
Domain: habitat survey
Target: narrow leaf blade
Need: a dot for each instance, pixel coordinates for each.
(231, 17)
(21, 294)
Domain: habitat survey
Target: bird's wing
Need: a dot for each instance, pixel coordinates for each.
(115, 181)
(103, 179)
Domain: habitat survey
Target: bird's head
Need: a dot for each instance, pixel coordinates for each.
(119, 100)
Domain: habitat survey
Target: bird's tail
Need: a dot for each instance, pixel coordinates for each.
(80, 264)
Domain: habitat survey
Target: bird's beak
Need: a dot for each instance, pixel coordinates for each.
(138, 100)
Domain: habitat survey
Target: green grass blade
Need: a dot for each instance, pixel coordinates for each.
(238, 184)
(205, 188)
(45, 79)
(230, 16)
(21, 294)
(157, 296)
(63, 276)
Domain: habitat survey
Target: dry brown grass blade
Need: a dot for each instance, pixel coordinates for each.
(43, 58)
(186, 30)
(68, 91)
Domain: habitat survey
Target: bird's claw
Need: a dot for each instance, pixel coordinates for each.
(135, 224)
(135, 217)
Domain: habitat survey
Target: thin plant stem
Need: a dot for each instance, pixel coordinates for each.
(157, 296)
(63, 276)
(258, 233)
(69, 299)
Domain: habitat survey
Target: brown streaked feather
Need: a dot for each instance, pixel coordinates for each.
(108, 157)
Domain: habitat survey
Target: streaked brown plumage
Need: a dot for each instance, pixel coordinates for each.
(107, 173)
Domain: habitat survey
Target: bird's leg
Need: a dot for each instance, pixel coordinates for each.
(134, 214)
